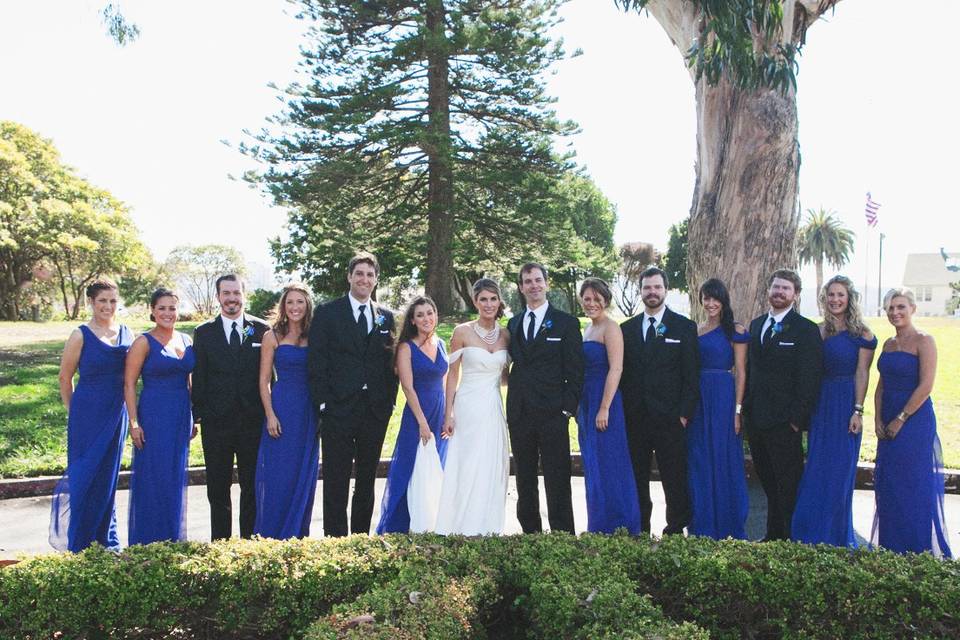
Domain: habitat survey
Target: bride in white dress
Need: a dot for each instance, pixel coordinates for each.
(474, 494)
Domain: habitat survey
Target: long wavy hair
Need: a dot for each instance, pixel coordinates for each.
(281, 325)
(853, 316)
(714, 288)
(410, 330)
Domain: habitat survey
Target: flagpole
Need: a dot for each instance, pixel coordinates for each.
(880, 276)
(866, 271)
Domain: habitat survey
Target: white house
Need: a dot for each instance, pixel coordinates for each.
(930, 275)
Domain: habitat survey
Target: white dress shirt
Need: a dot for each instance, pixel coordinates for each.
(773, 319)
(646, 321)
(367, 310)
(228, 326)
(538, 315)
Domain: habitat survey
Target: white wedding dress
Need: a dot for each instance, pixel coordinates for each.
(473, 500)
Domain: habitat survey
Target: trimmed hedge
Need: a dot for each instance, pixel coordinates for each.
(543, 586)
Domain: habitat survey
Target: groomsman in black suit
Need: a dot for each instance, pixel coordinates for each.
(543, 392)
(226, 404)
(783, 383)
(353, 387)
(661, 388)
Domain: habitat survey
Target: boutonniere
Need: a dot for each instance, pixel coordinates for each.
(247, 333)
(779, 328)
(548, 324)
(661, 330)
(380, 321)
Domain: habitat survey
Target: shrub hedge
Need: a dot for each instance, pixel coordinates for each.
(544, 586)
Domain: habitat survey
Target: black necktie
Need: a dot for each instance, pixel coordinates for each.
(234, 337)
(769, 332)
(362, 322)
(533, 321)
(651, 332)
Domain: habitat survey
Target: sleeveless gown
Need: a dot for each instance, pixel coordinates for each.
(608, 472)
(287, 467)
(158, 479)
(428, 383)
(715, 474)
(473, 500)
(908, 478)
(82, 510)
(824, 511)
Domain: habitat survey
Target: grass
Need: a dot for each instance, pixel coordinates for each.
(33, 421)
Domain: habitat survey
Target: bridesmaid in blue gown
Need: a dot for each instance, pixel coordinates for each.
(716, 478)
(161, 425)
(422, 366)
(908, 478)
(82, 510)
(608, 472)
(288, 459)
(824, 511)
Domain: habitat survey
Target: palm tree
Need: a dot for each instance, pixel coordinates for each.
(824, 239)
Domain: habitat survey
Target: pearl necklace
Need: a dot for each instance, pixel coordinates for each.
(489, 337)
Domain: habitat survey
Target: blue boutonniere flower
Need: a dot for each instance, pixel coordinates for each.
(548, 324)
(778, 328)
(247, 332)
(380, 321)
(661, 330)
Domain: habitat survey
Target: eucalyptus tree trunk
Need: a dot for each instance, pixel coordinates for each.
(439, 272)
(743, 220)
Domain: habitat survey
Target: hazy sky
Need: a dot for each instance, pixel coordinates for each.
(877, 112)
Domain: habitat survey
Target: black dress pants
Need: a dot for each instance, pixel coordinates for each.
(223, 439)
(355, 438)
(778, 459)
(649, 432)
(542, 440)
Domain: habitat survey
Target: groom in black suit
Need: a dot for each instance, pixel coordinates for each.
(226, 404)
(542, 395)
(661, 388)
(783, 384)
(353, 387)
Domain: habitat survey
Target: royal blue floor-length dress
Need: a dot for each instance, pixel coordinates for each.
(287, 466)
(428, 383)
(824, 511)
(607, 470)
(715, 474)
(158, 479)
(908, 478)
(82, 510)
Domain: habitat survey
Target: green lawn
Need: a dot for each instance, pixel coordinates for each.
(32, 420)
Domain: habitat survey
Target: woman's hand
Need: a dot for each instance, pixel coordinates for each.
(447, 428)
(603, 417)
(425, 433)
(879, 428)
(137, 435)
(737, 425)
(273, 426)
(893, 427)
(856, 424)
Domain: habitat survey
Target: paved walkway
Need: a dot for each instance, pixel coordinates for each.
(24, 521)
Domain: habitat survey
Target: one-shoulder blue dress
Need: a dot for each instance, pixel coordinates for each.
(82, 511)
(158, 478)
(715, 474)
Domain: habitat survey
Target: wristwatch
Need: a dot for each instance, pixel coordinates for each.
(902, 416)
(858, 409)
(739, 409)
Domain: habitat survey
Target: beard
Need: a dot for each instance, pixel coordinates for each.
(779, 302)
(653, 301)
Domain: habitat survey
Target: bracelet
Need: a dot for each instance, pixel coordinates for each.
(902, 416)
(858, 412)
(858, 407)
(739, 409)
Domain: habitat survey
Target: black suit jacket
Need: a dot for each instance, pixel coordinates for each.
(663, 376)
(226, 383)
(546, 377)
(783, 375)
(341, 362)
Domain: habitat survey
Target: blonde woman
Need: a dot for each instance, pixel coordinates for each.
(909, 472)
(289, 456)
(824, 512)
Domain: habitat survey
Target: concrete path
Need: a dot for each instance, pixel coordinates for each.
(24, 521)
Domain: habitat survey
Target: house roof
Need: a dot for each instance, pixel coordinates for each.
(926, 269)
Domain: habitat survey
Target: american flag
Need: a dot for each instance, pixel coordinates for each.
(871, 211)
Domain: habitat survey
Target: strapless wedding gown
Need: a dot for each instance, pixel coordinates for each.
(474, 495)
